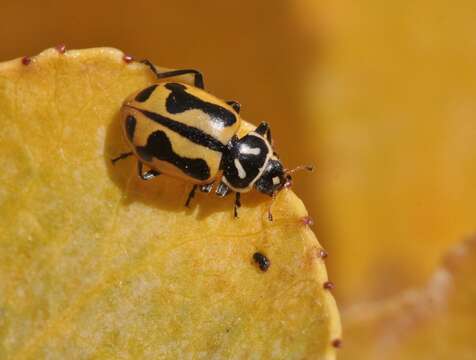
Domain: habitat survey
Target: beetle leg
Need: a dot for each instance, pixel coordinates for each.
(270, 215)
(191, 195)
(263, 129)
(197, 75)
(151, 66)
(237, 204)
(147, 175)
(222, 190)
(206, 188)
(235, 105)
(120, 157)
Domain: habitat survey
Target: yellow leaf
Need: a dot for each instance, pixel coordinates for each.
(436, 322)
(95, 263)
(392, 118)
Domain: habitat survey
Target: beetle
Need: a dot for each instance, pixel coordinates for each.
(183, 131)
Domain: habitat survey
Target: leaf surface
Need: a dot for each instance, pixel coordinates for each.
(95, 263)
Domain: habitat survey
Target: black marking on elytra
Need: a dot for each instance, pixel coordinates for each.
(130, 126)
(193, 134)
(251, 163)
(159, 146)
(262, 261)
(145, 94)
(179, 100)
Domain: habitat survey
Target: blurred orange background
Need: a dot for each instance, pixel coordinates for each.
(379, 95)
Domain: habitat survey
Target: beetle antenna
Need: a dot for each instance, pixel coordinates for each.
(300, 167)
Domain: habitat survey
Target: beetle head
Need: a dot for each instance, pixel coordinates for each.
(275, 178)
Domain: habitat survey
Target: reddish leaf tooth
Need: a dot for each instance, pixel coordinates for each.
(61, 48)
(26, 60)
(322, 253)
(337, 343)
(329, 285)
(127, 58)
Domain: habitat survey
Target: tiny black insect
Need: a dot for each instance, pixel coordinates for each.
(262, 261)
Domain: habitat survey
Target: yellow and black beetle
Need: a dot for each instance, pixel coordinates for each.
(182, 131)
